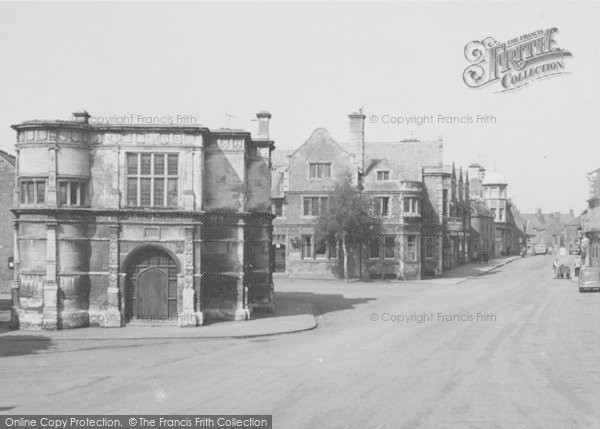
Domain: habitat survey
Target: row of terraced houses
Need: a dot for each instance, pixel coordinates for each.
(435, 216)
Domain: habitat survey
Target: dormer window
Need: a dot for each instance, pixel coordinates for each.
(383, 176)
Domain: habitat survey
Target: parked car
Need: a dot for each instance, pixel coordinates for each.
(589, 279)
(575, 251)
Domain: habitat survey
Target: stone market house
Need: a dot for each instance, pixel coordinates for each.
(119, 224)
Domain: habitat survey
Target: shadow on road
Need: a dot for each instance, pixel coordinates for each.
(323, 303)
(460, 273)
(19, 345)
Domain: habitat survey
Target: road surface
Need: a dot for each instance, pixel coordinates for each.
(512, 348)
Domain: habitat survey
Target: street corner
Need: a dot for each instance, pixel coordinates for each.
(290, 316)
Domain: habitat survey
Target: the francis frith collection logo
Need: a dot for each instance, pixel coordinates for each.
(515, 63)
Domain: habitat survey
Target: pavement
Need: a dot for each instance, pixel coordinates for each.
(290, 316)
(512, 348)
(470, 270)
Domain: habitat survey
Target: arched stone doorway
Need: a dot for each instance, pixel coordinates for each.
(151, 286)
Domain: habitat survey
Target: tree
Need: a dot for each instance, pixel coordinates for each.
(348, 219)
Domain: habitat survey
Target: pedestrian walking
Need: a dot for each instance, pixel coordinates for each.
(555, 266)
(577, 267)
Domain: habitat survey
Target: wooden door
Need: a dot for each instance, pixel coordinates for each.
(153, 295)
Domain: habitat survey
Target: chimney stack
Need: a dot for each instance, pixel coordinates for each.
(357, 137)
(263, 125)
(81, 116)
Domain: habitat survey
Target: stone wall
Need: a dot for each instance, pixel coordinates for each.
(7, 179)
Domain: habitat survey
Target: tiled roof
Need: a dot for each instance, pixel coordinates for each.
(8, 157)
(406, 157)
(279, 156)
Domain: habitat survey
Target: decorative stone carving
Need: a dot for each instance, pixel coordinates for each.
(152, 138)
(113, 317)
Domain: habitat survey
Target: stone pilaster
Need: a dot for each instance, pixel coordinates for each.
(113, 317)
(14, 284)
(242, 311)
(51, 193)
(50, 290)
(188, 179)
(189, 316)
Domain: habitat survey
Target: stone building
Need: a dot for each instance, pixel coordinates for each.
(591, 221)
(483, 230)
(552, 229)
(7, 179)
(483, 226)
(119, 224)
(391, 173)
(446, 219)
(509, 234)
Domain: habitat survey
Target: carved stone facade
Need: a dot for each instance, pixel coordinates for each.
(120, 224)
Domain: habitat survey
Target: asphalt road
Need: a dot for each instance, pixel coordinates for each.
(512, 348)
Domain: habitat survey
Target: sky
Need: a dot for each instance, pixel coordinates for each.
(310, 65)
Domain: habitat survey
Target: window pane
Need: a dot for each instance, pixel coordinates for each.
(41, 192)
(374, 248)
(320, 170)
(62, 192)
(146, 164)
(159, 164)
(384, 207)
(406, 205)
(389, 247)
(278, 207)
(159, 192)
(145, 191)
(132, 192)
(73, 193)
(306, 246)
(172, 192)
(315, 206)
(30, 199)
(306, 203)
(173, 164)
(320, 248)
(327, 170)
(411, 251)
(24, 193)
(312, 170)
(82, 193)
(132, 163)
